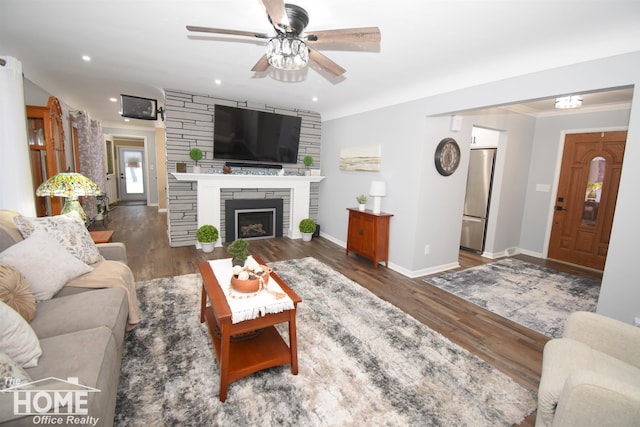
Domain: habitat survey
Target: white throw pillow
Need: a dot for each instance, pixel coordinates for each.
(68, 230)
(17, 338)
(44, 263)
(11, 373)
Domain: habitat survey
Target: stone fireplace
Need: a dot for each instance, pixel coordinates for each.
(209, 186)
(253, 219)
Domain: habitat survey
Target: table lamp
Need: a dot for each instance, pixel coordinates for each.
(69, 185)
(378, 189)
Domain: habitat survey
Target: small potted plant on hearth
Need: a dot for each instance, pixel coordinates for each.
(307, 227)
(362, 200)
(207, 236)
(308, 161)
(196, 154)
(239, 248)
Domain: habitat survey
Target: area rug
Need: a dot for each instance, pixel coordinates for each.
(362, 361)
(537, 297)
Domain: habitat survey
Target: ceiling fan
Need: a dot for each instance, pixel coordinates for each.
(291, 48)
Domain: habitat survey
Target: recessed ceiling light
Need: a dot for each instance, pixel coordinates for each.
(218, 81)
(113, 99)
(314, 99)
(86, 58)
(127, 120)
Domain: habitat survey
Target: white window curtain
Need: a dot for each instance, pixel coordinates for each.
(16, 187)
(92, 161)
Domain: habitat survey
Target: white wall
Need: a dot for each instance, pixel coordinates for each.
(428, 207)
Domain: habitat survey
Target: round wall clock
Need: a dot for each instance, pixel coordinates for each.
(447, 156)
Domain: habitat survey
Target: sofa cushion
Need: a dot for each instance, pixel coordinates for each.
(68, 230)
(90, 356)
(9, 233)
(45, 264)
(17, 338)
(564, 357)
(15, 292)
(84, 310)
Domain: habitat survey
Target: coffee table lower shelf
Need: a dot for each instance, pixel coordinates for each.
(266, 350)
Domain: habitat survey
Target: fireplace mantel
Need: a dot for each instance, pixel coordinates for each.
(209, 186)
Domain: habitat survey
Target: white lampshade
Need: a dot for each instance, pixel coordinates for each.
(378, 189)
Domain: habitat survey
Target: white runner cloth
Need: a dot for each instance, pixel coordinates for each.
(248, 308)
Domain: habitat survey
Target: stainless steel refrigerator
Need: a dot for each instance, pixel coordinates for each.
(476, 201)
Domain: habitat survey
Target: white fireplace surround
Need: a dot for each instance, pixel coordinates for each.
(209, 202)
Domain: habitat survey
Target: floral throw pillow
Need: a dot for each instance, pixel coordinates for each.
(68, 230)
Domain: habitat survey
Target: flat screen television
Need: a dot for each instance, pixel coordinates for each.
(135, 107)
(257, 136)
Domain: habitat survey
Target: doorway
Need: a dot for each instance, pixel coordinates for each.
(132, 178)
(586, 198)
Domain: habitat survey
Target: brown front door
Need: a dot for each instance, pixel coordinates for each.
(586, 199)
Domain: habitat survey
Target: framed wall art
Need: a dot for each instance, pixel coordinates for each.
(363, 158)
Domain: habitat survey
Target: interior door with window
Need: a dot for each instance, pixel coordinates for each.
(132, 173)
(586, 199)
(112, 185)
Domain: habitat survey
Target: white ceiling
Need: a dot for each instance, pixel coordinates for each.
(140, 47)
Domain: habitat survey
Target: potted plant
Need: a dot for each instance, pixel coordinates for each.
(308, 161)
(239, 248)
(362, 200)
(307, 227)
(207, 236)
(196, 154)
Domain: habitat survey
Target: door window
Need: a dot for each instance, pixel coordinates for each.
(593, 191)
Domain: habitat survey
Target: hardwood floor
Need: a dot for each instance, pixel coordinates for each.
(513, 349)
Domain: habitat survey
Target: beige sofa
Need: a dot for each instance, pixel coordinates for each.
(591, 376)
(81, 332)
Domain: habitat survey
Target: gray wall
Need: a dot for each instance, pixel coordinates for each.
(189, 123)
(428, 207)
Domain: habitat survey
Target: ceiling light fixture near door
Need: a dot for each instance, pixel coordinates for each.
(565, 102)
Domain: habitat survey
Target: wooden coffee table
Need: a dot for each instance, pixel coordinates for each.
(242, 357)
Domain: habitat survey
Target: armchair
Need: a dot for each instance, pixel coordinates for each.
(591, 376)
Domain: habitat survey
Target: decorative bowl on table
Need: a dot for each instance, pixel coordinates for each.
(246, 279)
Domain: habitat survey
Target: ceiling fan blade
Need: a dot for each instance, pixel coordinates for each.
(261, 65)
(349, 35)
(227, 32)
(277, 13)
(326, 63)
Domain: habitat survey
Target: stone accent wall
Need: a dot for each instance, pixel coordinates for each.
(189, 123)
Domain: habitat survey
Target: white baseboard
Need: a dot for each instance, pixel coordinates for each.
(412, 274)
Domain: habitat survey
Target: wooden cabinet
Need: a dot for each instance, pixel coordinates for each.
(46, 149)
(368, 235)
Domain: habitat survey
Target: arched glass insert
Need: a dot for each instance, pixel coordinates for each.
(593, 192)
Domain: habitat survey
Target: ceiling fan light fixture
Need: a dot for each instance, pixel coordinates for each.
(565, 102)
(287, 53)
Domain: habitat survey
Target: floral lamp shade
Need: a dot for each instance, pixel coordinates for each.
(69, 185)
